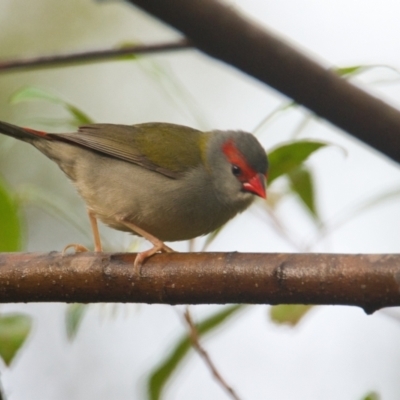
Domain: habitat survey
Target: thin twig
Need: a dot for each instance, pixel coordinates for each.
(62, 60)
(194, 337)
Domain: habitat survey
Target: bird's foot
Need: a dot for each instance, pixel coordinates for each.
(96, 236)
(158, 245)
(144, 255)
(77, 247)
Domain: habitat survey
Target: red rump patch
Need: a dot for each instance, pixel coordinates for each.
(37, 133)
(235, 157)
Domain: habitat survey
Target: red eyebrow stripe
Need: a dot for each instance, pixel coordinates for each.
(235, 157)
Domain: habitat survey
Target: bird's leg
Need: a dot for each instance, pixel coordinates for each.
(95, 231)
(96, 237)
(158, 245)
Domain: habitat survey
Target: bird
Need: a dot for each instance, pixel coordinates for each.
(161, 181)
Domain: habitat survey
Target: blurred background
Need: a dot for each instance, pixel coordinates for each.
(332, 352)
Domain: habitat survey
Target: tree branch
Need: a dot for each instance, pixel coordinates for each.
(367, 281)
(233, 39)
(195, 339)
(220, 31)
(90, 56)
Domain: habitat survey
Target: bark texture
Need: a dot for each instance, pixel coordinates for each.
(367, 281)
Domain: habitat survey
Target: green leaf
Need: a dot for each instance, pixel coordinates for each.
(73, 318)
(127, 57)
(289, 314)
(31, 93)
(80, 117)
(163, 372)
(371, 396)
(10, 224)
(351, 70)
(358, 69)
(302, 184)
(14, 329)
(290, 156)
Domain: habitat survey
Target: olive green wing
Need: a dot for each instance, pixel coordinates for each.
(165, 148)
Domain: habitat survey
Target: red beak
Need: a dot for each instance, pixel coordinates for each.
(256, 185)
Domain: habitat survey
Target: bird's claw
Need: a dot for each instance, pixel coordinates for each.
(77, 247)
(144, 255)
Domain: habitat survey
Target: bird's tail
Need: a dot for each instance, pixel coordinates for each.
(24, 134)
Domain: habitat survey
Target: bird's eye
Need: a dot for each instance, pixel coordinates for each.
(236, 170)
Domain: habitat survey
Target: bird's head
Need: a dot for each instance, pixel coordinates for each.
(238, 165)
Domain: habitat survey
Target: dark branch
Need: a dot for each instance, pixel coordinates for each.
(220, 31)
(367, 281)
(90, 56)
